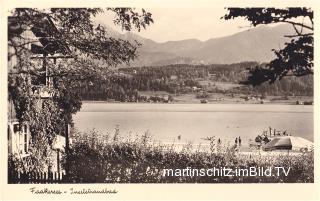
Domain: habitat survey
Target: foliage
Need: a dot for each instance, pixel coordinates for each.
(78, 38)
(134, 161)
(77, 30)
(296, 58)
(136, 79)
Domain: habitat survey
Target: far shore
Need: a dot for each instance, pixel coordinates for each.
(223, 99)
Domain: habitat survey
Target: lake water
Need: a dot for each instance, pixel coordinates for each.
(166, 122)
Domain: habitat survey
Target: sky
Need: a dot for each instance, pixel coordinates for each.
(179, 23)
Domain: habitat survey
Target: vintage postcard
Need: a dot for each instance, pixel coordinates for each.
(158, 100)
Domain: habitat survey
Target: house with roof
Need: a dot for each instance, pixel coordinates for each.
(42, 41)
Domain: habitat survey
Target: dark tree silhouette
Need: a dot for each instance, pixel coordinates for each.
(296, 58)
(39, 42)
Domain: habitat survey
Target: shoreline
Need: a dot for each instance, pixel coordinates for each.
(186, 103)
(223, 99)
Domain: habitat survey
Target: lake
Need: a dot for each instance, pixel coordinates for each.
(165, 122)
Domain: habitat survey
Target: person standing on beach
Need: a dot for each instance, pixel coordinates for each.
(219, 145)
(236, 141)
(239, 141)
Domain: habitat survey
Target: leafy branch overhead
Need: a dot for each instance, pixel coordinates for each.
(73, 31)
(296, 58)
(75, 27)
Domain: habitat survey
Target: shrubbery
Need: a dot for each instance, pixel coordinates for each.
(100, 158)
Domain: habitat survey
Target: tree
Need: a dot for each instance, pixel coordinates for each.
(93, 55)
(296, 58)
(77, 30)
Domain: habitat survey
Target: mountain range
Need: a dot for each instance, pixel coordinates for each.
(254, 44)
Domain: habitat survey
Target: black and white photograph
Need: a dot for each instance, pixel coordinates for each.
(160, 95)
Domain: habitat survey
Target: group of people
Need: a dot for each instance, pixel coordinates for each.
(276, 133)
(237, 141)
(262, 138)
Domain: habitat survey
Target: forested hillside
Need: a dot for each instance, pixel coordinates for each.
(126, 84)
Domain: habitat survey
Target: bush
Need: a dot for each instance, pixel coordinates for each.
(97, 160)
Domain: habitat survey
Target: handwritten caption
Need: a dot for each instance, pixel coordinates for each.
(71, 191)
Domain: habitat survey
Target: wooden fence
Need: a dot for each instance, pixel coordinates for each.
(37, 177)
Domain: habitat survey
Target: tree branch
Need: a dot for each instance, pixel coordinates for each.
(298, 35)
(295, 28)
(311, 20)
(298, 24)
